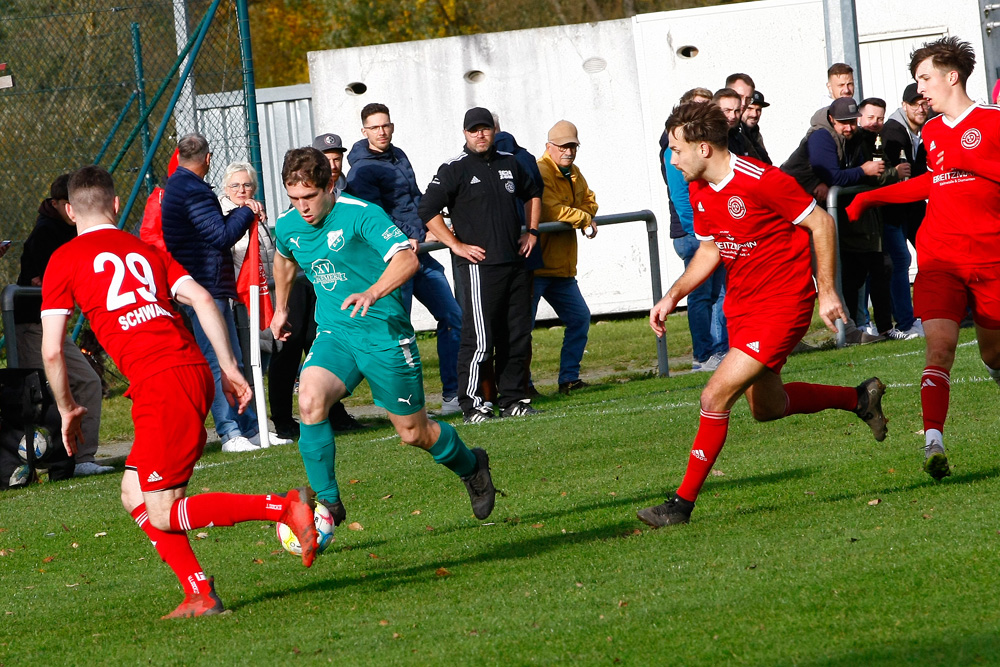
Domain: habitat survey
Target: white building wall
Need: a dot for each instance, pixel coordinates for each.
(532, 78)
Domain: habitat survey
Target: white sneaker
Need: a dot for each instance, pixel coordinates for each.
(449, 406)
(870, 328)
(239, 444)
(273, 440)
(90, 468)
(896, 334)
(712, 363)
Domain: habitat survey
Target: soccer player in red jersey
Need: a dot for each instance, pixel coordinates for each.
(958, 244)
(758, 221)
(123, 287)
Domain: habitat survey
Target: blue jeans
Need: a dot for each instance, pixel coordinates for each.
(705, 317)
(563, 294)
(894, 238)
(228, 422)
(431, 288)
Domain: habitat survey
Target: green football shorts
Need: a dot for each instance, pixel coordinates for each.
(394, 375)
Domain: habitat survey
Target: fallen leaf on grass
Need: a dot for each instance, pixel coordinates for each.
(442, 572)
(383, 622)
(355, 526)
(277, 551)
(414, 512)
(892, 470)
(579, 584)
(387, 496)
(920, 432)
(258, 561)
(537, 525)
(76, 545)
(613, 494)
(72, 585)
(8, 552)
(718, 473)
(874, 501)
(563, 493)
(354, 481)
(101, 534)
(810, 493)
(622, 603)
(373, 555)
(8, 613)
(430, 527)
(65, 529)
(48, 559)
(201, 536)
(396, 635)
(928, 516)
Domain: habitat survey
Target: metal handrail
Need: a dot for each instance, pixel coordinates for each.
(644, 215)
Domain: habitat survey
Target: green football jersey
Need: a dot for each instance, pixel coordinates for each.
(345, 254)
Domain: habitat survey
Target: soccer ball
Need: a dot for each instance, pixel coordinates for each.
(324, 526)
(41, 444)
(20, 476)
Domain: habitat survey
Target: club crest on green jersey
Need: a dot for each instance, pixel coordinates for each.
(335, 240)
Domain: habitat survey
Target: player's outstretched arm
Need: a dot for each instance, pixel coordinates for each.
(234, 385)
(53, 332)
(824, 235)
(473, 253)
(914, 189)
(706, 259)
(284, 270)
(401, 268)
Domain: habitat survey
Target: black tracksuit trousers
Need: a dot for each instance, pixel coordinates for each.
(496, 328)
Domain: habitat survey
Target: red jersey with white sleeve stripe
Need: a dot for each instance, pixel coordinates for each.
(123, 287)
(962, 225)
(752, 215)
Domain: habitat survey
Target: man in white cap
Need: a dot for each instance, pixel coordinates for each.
(565, 198)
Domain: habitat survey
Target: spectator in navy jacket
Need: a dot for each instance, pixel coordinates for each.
(381, 173)
(201, 237)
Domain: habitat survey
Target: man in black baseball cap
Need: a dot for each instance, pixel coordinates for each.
(751, 124)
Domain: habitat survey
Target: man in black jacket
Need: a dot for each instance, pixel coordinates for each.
(53, 228)
(480, 187)
(901, 143)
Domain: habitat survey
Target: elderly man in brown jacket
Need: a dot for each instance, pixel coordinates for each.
(566, 198)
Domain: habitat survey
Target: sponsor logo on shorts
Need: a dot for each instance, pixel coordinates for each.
(154, 477)
(971, 138)
(325, 275)
(335, 240)
(737, 208)
(509, 186)
(406, 400)
(475, 179)
(755, 346)
(699, 454)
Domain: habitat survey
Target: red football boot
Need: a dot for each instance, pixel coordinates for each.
(299, 515)
(199, 604)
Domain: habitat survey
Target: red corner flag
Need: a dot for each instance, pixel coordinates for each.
(244, 282)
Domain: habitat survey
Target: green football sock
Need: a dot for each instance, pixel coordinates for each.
(451, 452)
(319, 454)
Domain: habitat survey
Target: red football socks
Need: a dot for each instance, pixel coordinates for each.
(712, 430)
(223, 509)
(803, 398)
(175, 550)
(935, 390)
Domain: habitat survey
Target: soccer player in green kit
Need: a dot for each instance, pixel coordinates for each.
(357, 258)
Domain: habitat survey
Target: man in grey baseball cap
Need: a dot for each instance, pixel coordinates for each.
(332, 147)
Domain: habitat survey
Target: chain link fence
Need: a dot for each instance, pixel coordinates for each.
(78, 76)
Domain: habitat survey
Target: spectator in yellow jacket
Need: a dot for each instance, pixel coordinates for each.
(566, 198)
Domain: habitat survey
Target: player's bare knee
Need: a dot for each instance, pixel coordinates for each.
(764, 413)
(313, 406)
(412, 435)
(159, 519)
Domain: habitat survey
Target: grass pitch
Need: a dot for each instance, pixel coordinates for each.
(813, 545)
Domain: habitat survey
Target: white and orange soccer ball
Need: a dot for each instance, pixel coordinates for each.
(324, 526)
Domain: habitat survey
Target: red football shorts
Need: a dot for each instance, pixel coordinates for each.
(770, 337)
(169, 410)
(947, 291)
